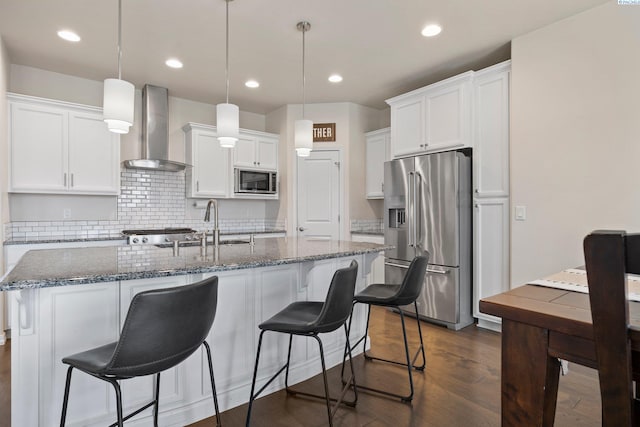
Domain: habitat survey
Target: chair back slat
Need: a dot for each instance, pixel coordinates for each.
(164, 326)
(607, 258)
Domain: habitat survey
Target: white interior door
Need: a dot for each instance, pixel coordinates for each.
(319, 195)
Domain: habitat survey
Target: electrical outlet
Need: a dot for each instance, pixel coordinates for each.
(66, 214)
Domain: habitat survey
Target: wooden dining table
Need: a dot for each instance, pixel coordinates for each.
(541, 325)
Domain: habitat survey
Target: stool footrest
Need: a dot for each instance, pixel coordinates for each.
(415, 357)
(338, 401)
(136, 412)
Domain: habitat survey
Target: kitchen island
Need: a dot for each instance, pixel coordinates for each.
(68, 300)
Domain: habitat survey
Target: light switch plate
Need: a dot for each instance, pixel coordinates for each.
(521, 213)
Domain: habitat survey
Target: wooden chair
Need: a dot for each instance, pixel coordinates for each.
(608, 256)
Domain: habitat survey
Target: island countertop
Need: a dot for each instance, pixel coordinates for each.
(69, 266)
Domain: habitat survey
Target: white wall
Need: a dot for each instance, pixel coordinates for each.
(575, 136)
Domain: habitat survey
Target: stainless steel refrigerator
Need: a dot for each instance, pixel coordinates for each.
(427, 208)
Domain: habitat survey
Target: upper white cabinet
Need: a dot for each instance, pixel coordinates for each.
(213, 166)
(59, 147)
(210, 174)
(491, 131)
(256, 150)
(433, 118)
(377, 146)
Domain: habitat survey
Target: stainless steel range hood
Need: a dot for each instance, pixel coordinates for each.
(155, 133)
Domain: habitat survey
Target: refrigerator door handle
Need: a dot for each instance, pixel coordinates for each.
(417, 200)
(391, 264)
(430, 270)
(410, 208)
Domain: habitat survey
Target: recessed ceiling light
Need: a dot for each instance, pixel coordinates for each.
(335, 78)
(252, 84)
(173, 63)
(431, 30)
(69, 36)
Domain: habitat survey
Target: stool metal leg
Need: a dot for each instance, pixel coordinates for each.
(156, 400)
(66, 397)
(410, 363)
(286, 374)
(213, 384)
(116, 386)
(253, 382)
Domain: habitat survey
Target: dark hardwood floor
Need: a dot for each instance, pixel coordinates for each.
(460, 386)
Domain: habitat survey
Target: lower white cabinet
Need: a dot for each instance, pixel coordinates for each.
(490, 254)
(377, 146)
(51, 323)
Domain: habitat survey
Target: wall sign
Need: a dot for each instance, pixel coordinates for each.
(324, 132)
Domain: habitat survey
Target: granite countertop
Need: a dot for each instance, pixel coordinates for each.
(60, 267)
(120, 237)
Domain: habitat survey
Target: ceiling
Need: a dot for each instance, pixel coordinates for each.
(375, 45)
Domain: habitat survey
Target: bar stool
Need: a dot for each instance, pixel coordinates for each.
(310, 318)
(162, 328)
(394, 296)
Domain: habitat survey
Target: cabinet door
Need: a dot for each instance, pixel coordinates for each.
(94, 155)
(491, 144)
(244, 153)
(73, 319)
(407, 126)
(376, 156)
(267, 153)
(38, 138)
(210, 166)
(448, 115)
(490, 252)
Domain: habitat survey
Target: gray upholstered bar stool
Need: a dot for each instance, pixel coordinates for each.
(395, 296)
(163, 327)
(310, 318)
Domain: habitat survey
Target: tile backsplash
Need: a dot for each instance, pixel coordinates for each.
(148, 199)
(366, 226)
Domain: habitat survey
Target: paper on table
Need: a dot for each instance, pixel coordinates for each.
(576, 280)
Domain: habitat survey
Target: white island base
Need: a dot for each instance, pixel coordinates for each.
(52, 322)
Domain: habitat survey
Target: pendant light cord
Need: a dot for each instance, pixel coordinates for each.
(227, 48)
(304, 30)
(119, 39)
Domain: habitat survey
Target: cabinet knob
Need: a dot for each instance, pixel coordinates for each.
(421, 145)
(197, 185)
(476, 191)
(301, 228)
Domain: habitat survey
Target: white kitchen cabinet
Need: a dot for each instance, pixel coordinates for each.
(256, 150)
(210, 174)
(59, 147)
(433, 118)
(490, 254)
(491, 187)
(377, 152)
(491, 131)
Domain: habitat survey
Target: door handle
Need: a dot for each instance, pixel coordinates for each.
(391, 264)
(416, 203)
(410, 195)
(301, 228)
(430, 270)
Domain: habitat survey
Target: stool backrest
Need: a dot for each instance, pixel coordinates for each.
(163, 327)
(413, 281)
(609, 255)
(337, 305)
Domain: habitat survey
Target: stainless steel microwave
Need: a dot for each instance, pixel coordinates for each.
(250, 181)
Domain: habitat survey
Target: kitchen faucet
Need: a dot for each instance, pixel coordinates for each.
(207, 218)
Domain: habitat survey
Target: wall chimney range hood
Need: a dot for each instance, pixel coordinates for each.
(155, 133)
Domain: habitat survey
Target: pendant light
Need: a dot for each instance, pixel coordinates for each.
(303, 132)
(119, 94)
(227, 115)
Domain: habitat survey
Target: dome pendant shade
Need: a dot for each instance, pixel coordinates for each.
(227, 124)
(118, 105)
(303, 137)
